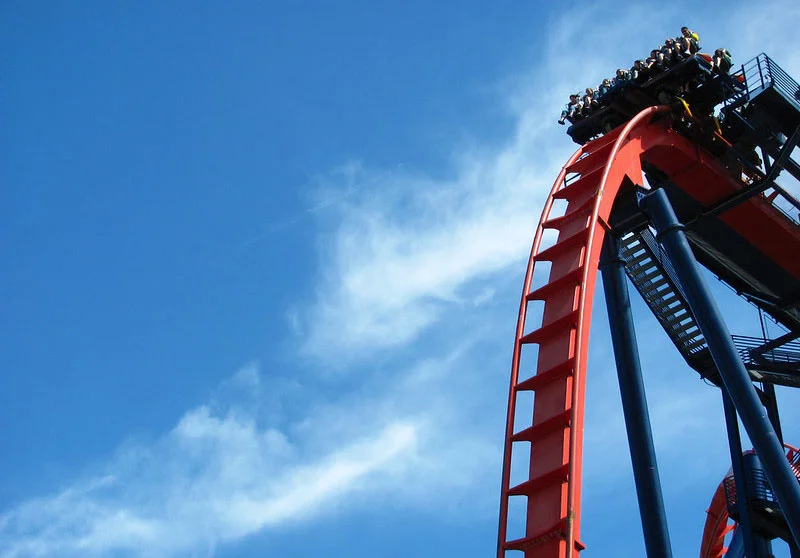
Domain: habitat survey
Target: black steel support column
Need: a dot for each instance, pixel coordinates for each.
(757, 489)
(634, 402)
(772, 409)
(735, 378)
(740, 482)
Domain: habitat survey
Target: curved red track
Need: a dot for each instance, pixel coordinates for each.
(589, 184)
(717, 526)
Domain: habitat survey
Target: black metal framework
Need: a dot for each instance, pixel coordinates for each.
(736, 381)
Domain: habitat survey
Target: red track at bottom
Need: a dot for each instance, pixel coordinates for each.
(717, 526)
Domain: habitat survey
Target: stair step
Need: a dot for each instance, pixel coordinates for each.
(677, 316)
(548, 331)
(653, 286)
(570, 279)
(636, 251)
(694, 344)
(686, 329)
(631, 244)
(665, 301)
(537, 431)
(561, 246)
(646, 273)
(687, 339)
(556, 476)
(640, 262)
(656, 296)
(634, 263)
(550, 375)
(662, 307)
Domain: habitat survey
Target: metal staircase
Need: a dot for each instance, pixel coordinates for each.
(653, 276)
(776, 362)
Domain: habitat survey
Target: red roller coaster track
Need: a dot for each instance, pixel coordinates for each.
(717, 526)
(589, 183)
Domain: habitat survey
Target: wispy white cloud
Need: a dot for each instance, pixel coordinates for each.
(217, 476)
(402, 253)
(227, 470)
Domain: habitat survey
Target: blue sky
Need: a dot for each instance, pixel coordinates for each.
(262, 264)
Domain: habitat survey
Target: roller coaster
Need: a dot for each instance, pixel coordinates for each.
(659, 189)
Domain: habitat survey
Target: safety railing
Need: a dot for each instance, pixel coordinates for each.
(752, 352)
(761, 73)
(758, 488)
(784, 202)
(782, 81)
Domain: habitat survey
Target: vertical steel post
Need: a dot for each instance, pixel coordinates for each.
(745, 528)
(757, 489)
(634, 402)
(735, 378)
(772, 409)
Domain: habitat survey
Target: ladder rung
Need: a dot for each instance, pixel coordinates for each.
(550, 375)
(557, 222)
(604, 141)
(561, 246)
(556, 476)
(548, 331)
(580, 186)
(553, 424)
(570, 279)
(557, 531)
(591, 162)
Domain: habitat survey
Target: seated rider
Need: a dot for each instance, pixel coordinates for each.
(668, 50)
(620, 80)
(588, 102)
(690, 40)
(679, 50)
(722, 61)
(639, 73)
(652, 63)
(603, 89)
(572, 109)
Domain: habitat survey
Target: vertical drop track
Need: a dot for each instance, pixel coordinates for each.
(587, 185)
